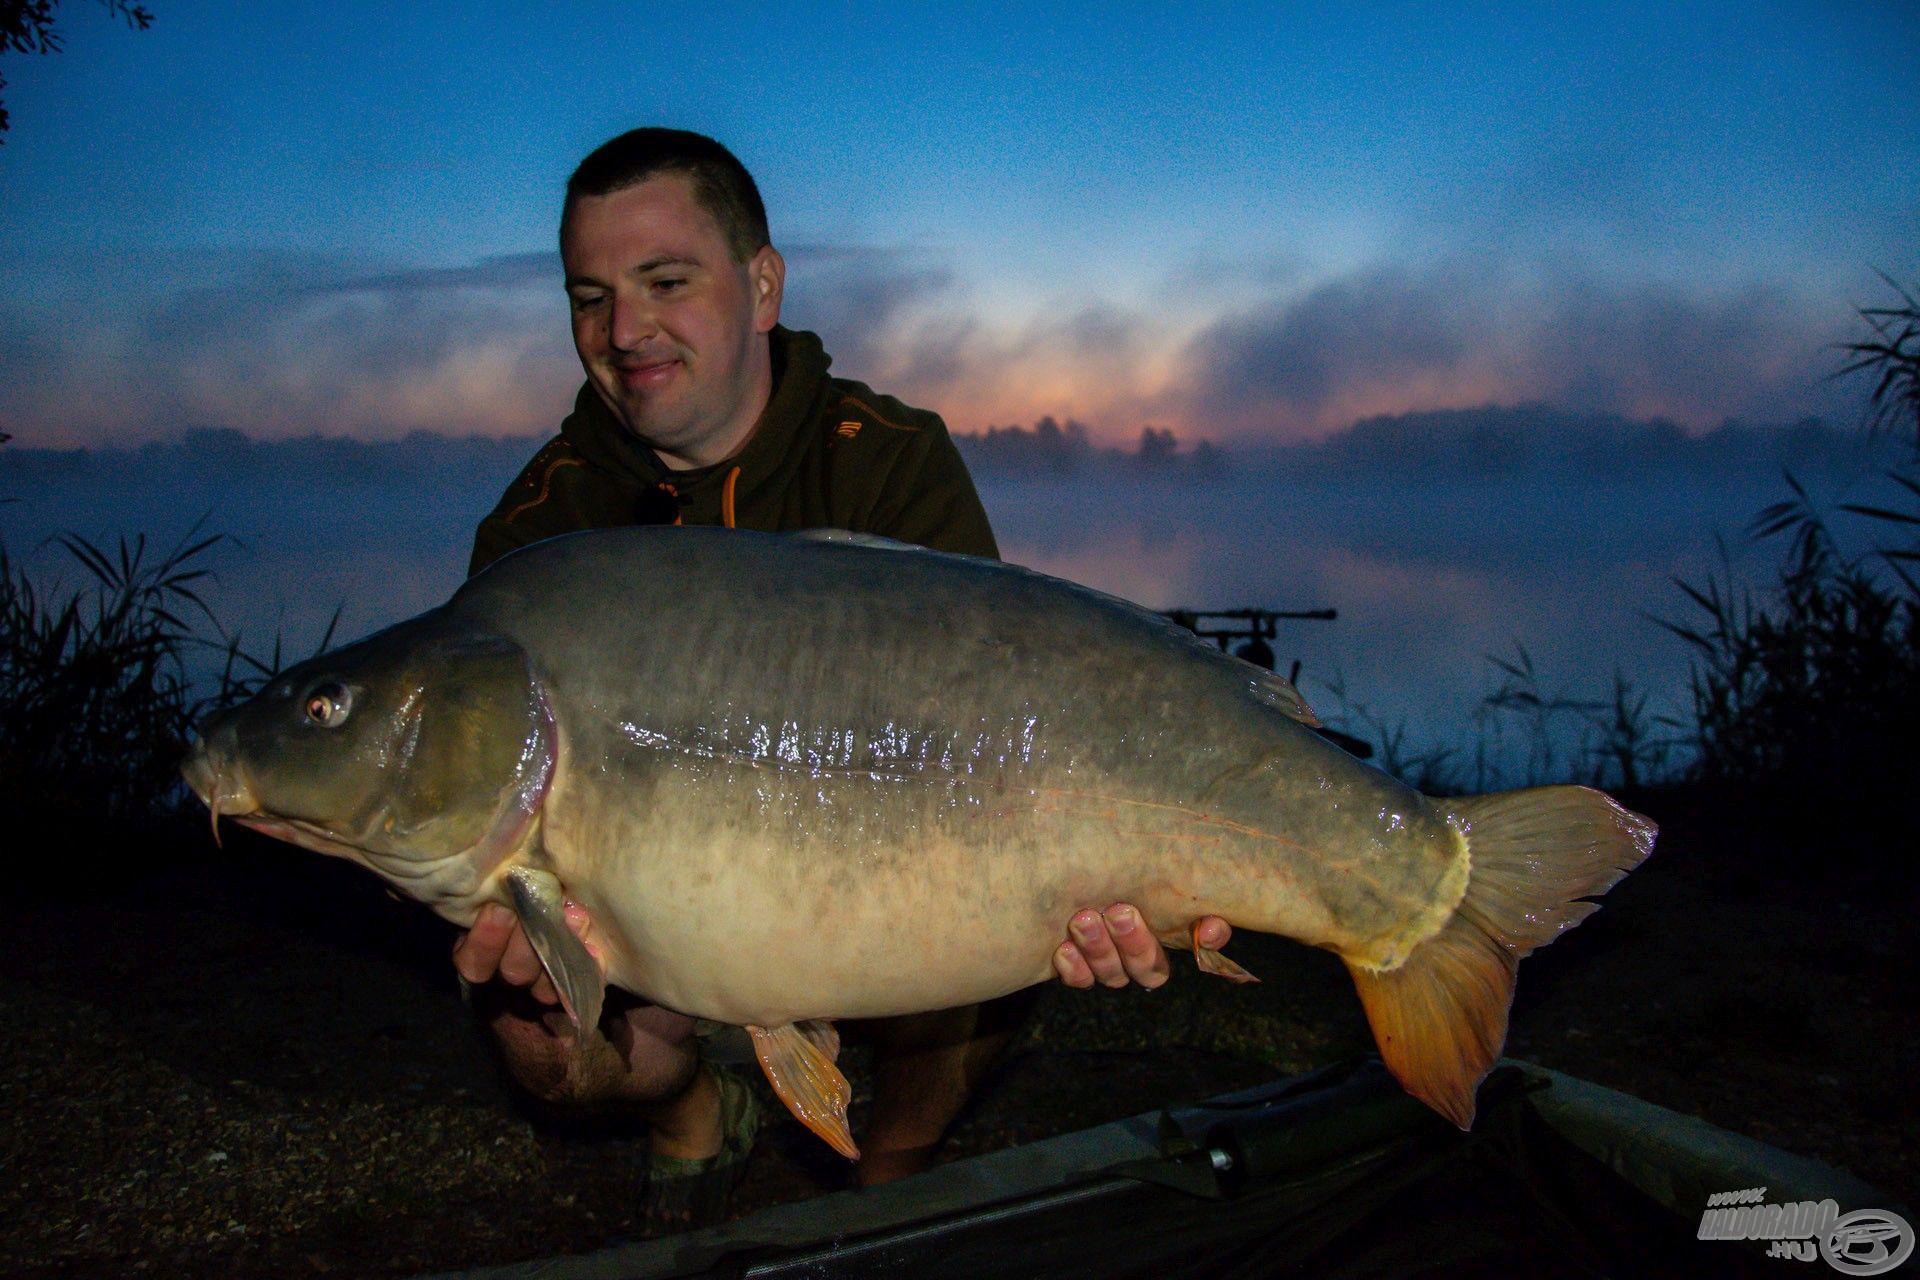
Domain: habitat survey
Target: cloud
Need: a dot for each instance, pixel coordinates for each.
(809, 255)
(1306, 361)
(1391, 340)
(1303, 360)
(1096, 362)
(1646, 349)
(287, 345)
(502, 271)
(858, 298)
(908, 321)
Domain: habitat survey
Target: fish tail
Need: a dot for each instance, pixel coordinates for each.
(1440, 1017)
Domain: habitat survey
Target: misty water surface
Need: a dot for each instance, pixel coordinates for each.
(1429, 575)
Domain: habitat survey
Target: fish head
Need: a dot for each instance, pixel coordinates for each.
(423, 753)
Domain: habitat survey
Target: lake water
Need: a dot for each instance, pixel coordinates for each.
(1428, 577)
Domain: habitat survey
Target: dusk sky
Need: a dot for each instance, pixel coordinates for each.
(1246, 223)
(1250, 225)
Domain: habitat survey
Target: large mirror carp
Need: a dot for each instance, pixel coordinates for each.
(893, 774)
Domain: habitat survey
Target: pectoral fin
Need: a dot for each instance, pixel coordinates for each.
(798, 1059)
(541, 904)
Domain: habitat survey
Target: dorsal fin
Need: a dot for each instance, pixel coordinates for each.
(1278, 692)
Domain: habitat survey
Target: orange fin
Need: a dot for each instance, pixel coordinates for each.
(1216, 962)
(1440, 1018)
(798, 1059)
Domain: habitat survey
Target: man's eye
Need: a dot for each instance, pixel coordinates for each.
(585, 303)
(670, 285)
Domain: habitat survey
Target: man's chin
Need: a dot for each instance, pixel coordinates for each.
(652, 423)
(645, 413)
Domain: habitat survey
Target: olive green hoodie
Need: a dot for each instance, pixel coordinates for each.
(826, 453)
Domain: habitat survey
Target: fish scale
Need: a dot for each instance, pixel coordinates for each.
(817, 739)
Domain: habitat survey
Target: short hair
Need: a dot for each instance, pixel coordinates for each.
(721, 183)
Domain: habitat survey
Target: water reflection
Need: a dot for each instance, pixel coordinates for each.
(1428, 578)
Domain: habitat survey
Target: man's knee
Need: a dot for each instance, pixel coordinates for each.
(639, 1056)
(593, 1078)
(655, 1048)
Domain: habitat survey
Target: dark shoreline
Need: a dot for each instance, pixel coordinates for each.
(255, 1063)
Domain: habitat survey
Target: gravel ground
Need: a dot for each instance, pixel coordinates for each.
(257, 1064)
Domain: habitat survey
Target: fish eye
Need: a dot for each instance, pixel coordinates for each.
(328, 704)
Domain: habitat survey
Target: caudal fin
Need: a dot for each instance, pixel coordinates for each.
(1441, 1017)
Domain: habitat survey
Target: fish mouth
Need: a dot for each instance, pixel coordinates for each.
(305, 835)
(224, 789)
(220, 785)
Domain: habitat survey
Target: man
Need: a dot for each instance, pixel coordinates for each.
(699, 408)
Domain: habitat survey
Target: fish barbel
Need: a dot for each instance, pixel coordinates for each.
(890, 774)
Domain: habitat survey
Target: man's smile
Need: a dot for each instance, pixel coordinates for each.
(636, 375)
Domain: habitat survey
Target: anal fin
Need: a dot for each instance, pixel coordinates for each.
(1216, 962)
(798, 1060)
(540, 902)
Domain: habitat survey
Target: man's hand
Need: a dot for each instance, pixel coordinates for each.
(641, 1054)
(497, 946)
(1113, 947)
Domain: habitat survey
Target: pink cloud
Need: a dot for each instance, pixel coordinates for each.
(290, 348)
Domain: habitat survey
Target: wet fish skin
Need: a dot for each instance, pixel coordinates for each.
(893, 774)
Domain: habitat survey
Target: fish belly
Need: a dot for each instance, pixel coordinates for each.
(766, 894)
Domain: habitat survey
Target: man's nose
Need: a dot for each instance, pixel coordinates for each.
(633, 323)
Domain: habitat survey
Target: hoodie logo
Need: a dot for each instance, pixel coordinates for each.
(847, 430)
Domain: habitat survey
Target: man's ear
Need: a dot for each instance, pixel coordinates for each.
(767, 278)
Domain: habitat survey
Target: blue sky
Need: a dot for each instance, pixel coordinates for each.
(1250, 224)
(1246, 222)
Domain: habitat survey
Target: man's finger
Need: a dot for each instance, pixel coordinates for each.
(543, 989)
(1089, 932)
(520, 965)
(1141, 955)
(1072, 966)
(1214, 933)
(476, 956)
(582, 925)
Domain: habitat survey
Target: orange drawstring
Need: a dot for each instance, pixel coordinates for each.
(672, 493)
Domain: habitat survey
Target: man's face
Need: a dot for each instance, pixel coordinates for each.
(668, 325)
